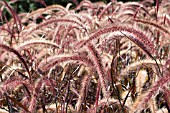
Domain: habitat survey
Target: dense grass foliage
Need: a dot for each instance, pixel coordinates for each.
(86, 57)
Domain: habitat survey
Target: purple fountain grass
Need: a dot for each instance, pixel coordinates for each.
(15, 16)
(10, 49)
(85, 3)
(100, 70)
(104, 102)
(104, 10)
(33, 104)
(138, 37)
(35, 91)
(161, 83)
(34, 42)
(159, 27)
(83, 92)
(12, 84)
(63, 20)
(166, 95)
(89, 58)
(53, 60)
